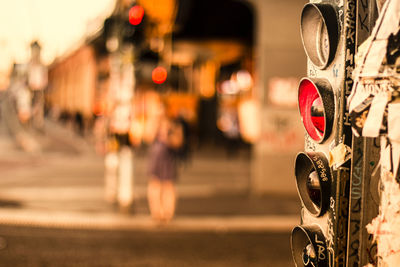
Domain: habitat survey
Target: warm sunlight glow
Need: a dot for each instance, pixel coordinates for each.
(58, 25)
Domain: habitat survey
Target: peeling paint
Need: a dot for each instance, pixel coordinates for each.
(386, 227)
(375, 79)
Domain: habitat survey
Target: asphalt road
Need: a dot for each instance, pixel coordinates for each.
(46, 198)
(27, 246)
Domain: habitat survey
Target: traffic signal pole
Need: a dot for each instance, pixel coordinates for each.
(374, 109)
(119, 172)
(364, 201)
(344, 179)
(364, 196)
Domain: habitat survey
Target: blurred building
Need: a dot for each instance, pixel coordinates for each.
(280, 63)
(227, 62)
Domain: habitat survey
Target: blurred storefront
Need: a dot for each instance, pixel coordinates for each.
(280, 62)
(73, 84)
(233, 68)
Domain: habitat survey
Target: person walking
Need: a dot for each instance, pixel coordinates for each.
(163, 169)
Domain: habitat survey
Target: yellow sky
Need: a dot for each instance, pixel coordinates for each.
(57, 24)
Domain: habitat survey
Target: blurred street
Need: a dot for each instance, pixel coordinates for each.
(53, 212)
(149, 132)
(48, 247)
(199, 133)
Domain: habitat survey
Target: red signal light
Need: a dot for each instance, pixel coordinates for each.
(136, 14)
(159, 75)
(316, 106)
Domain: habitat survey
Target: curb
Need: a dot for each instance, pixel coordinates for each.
(107, 221)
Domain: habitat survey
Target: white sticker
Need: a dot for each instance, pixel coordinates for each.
(390, 20)
(375, 116)
(374, 52)
(359, 96)
(374, 58)
(385, 157)
(339, 155)
(395, 157)
(394, 121)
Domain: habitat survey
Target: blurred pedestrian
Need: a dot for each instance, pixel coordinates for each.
(20, 94)
(37, 83)
(16, 110)
(163, 169)
(119, 159)
(228, 123)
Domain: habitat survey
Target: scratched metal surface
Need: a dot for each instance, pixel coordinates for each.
(361, 249)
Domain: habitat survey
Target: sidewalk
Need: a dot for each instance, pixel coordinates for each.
(64, 188)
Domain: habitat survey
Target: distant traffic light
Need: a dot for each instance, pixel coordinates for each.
(136, 14)
(159, 75)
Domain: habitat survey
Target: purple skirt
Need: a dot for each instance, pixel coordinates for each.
(162, 162)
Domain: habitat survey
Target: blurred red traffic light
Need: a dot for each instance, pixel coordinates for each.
(159, 75)
(136, 14)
